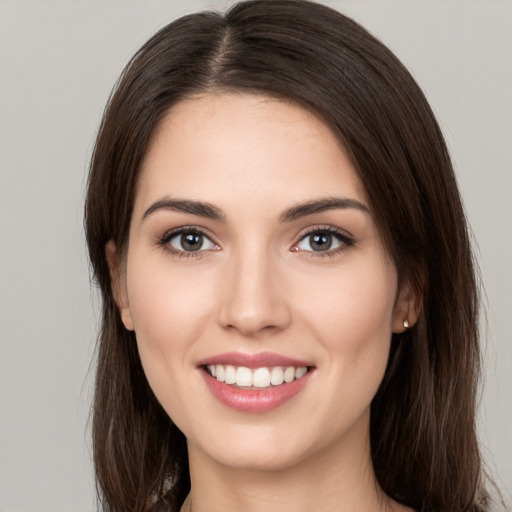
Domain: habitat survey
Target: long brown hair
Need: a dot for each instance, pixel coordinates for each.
(423, 439)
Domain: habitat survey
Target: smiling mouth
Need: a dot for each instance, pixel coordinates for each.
(256, 378)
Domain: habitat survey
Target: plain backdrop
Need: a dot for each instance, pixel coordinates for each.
(58, 63)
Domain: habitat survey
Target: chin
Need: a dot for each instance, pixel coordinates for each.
(258, 448)
(255, 459)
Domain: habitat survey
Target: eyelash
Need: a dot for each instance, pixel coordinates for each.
(169, 235)
(345, 241)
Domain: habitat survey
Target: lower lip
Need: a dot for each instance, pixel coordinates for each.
(254, 400)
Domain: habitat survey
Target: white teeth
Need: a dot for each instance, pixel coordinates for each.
(220, 373)
(289, 374)
(276, 376)
(300, 372)
(259, 377)
(243, 377)
(230, 375)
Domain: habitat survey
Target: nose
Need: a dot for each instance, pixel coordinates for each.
(253, 300)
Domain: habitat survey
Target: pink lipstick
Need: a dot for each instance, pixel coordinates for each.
(253, 360)
(254, 383)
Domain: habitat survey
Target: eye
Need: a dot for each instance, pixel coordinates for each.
(323, 240)
(188, 241)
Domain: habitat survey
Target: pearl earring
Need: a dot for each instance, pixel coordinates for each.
(406, 324)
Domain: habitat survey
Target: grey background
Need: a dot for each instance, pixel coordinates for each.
(58, 62)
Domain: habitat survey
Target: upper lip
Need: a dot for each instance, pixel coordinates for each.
(253, 360)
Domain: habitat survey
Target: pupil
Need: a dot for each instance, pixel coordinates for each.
(321, 242)
(191, 241)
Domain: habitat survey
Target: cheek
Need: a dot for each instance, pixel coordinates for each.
(169, 310)
(352, 302)
(352, 316)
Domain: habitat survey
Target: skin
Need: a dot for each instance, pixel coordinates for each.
(257, 287)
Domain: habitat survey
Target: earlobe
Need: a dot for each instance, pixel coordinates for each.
(114, 261)
(407, 309)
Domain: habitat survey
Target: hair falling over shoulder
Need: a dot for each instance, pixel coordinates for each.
(423, 433)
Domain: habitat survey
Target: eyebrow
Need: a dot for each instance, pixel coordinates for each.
(186, 206)
(298, 211)
(321, 205)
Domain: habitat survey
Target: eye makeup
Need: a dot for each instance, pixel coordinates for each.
(193, 242)
(187, 242)
(323, 241)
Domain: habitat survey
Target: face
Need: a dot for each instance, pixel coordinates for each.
(261, 295)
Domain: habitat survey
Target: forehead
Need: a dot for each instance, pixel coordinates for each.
(232, 145)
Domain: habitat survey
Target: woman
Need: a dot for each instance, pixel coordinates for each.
(289, 298)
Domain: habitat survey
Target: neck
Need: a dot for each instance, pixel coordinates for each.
(338, 479)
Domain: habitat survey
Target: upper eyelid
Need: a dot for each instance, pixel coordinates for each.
(324, 229)
(185, 229)
(164, 240)
(346, 240)
(310, 230)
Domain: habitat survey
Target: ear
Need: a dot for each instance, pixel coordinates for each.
(118, 283)
(407, 308)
